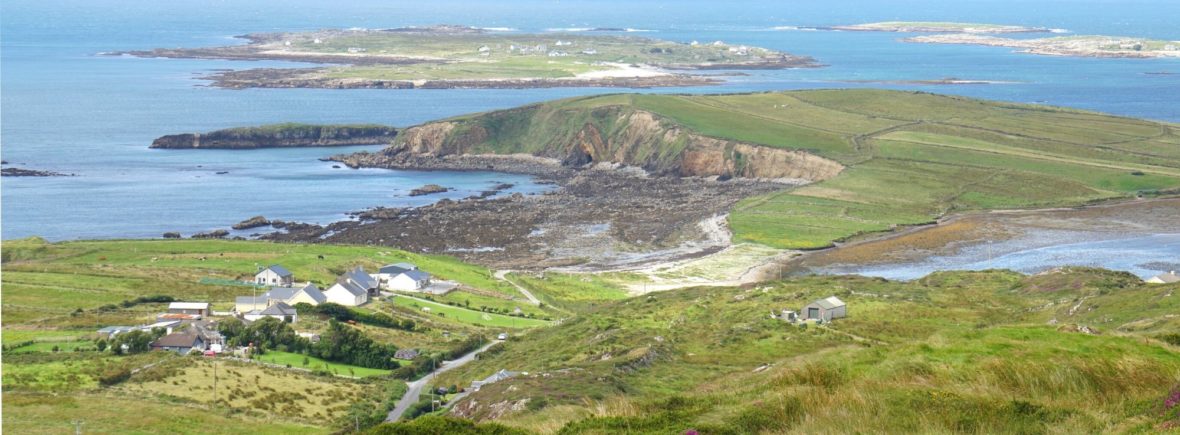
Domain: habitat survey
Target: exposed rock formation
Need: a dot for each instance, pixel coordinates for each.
(281, 135)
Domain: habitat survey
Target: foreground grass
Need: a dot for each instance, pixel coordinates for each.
(980, 352)
(108, 412)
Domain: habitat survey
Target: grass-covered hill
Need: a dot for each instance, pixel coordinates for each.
(1068, 351)
(884, 158)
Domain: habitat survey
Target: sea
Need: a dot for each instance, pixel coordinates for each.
(65, 107)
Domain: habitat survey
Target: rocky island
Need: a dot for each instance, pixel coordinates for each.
(466, 57)
(1077, 46)
(280, 136)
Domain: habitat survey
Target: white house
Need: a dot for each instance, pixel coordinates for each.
(180, 342)
(410, 280)
(197, 308)
(309, 294)
(362, 279)
(386, 273)
(347, 292)
(280, 311)
(1164, 278)
(825, 309)
(275, 275)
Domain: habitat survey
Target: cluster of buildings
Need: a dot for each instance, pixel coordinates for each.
(188, 328)
(351, 289)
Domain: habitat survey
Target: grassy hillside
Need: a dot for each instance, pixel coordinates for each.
(983, 352)
(909, 157)
(55, 295)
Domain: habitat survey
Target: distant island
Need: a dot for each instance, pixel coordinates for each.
(939, 27)
(1078, 46)
(280, 136)
(467, 57)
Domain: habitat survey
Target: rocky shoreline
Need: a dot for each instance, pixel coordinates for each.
(597, 213)
(20, 172)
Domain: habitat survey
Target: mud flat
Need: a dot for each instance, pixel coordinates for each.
(1138, 236)
(1076, 46)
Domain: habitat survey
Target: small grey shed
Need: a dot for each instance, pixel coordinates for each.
(826, 309)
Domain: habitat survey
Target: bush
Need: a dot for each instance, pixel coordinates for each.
(113, 376)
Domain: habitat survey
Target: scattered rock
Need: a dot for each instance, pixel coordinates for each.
(428, 189)
(18, 172)
(254, 222)
(215, 234)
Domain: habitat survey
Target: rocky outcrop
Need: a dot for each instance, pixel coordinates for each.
(254, 222)
(19, 172)
(615, 135)
(215, 234)
(428, 189)
(281, 135)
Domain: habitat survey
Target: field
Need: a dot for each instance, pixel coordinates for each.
(982, 352)
(55, 295)
(466, 315)
(296, 360)
(910, 157)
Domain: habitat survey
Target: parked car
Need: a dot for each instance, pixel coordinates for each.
(502, 336)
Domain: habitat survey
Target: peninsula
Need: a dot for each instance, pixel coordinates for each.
(280, 136)
(1077, 46)
(939, 27)
(467, 57)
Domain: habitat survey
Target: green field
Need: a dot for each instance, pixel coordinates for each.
(295, 360)
(954, 352)
(465, 315)
(910, 157)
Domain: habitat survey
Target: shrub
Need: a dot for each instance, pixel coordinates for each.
(113, 376)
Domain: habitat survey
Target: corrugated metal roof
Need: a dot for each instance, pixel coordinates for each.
(188, 306)
(829, 303)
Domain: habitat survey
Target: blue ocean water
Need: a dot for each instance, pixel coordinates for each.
(63, 108)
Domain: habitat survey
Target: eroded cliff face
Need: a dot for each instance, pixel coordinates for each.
(624, 136)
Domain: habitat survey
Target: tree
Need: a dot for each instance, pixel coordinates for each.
(306, 361)
(133, 342)
(101, 344)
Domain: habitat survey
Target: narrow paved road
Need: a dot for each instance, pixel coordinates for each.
(416, 387)
(503, 276)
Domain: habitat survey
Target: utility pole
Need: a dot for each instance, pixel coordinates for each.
(215, 383)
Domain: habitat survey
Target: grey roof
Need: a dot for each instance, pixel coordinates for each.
(829, 303)
(499, 376)
(286, 293)
(1168, 278)
(406, 266)
(406, 354)
(110, 329)
(279, 309)
(362, 279)
(416, 275)
(351, 287)
(177, 339)
(392, 269)
(244, 300)
(279, 270)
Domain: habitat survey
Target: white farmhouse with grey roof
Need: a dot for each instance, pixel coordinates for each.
(1164, 278)
(825, 309)
(402, 276)
(275, 275)
(347, 292)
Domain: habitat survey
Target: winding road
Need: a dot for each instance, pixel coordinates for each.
(416, 387)
(503, 276)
